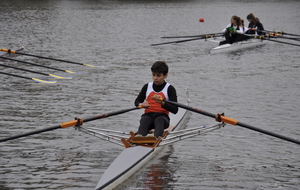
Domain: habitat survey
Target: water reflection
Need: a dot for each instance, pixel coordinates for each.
(159, 175)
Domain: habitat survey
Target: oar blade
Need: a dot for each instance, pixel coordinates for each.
(92, 65)
(43, 81)
(35, 79)
(59, 77)
(67, 71)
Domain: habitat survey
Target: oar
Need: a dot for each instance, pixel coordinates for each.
(77, 121)
(280, 33)
(16, 52)
(283, 42)
(284, 37)
(276, 35)
(222, 118)
(29, 63)
(291, 34)
(51, 75)
(195, 36)
(35, 79)
(180, 41)
(265, 38)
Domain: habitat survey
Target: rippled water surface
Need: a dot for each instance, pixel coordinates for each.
(258, 86)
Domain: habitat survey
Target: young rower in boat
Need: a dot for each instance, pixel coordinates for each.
(233, 32)
(156, 114)
(255, 25)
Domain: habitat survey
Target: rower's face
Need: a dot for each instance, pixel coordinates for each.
(159, 78)
(232, 21)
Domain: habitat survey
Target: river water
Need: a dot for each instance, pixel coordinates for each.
(258, 86)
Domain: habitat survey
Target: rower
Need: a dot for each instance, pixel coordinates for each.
(255, 26)
(156, 115)
(233, 31)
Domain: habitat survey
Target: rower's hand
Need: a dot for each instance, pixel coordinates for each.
(158, 99)
(144, 104)
(252, 29)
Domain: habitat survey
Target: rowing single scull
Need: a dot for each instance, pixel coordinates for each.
(140, 150)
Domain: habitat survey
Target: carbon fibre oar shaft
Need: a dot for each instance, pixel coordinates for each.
(29, 63)
(35, 79)
(42, 57)
(77, 121)
(222, 118)
(55, 76)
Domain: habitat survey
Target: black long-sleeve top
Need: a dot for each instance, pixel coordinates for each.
(258, 26)
(157, 88)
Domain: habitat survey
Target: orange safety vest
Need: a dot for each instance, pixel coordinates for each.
(154, 106)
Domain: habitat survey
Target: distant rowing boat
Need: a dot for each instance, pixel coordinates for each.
(253, 41)
(250, 43)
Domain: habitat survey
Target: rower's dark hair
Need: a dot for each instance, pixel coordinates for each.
(237, 19)
(252, 18)
(242, 23)
(160, 67)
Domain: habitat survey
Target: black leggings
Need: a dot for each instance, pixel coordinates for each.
(156, 121)
(230, 39)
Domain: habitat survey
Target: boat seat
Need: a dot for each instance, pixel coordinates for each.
(142, 140)
(148, 141)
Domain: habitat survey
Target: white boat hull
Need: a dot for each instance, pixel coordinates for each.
(133, 158)
(251, 43)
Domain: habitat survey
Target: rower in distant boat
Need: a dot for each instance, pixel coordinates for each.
(234, 31)
(156, 114)
(255, 26)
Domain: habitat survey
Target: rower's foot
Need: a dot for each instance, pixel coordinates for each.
(222, 42)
